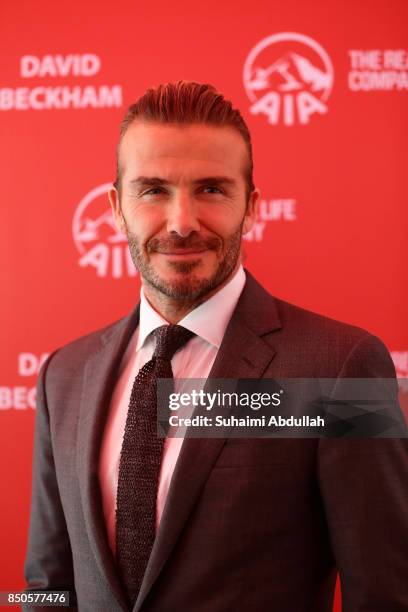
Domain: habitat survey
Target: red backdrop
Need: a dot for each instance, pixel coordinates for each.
(323, 86)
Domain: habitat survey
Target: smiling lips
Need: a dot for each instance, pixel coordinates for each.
(183, 247)
(183, 252)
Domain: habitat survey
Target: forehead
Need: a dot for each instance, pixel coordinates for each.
(182, 150)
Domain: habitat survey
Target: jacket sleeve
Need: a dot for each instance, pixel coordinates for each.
(48, 563)
(364, 487)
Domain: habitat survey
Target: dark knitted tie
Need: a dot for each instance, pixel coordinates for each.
(140, 462)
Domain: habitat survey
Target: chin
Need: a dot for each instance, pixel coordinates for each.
(184, 286)
(188, 269)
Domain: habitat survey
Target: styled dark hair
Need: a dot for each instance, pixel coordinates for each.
(186, 102)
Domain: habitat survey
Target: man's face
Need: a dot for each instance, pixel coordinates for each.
(183, 205)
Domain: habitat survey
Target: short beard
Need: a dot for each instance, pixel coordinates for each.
(190, 288)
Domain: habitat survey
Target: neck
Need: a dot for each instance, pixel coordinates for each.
(174, 310)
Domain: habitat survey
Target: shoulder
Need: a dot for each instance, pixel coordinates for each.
(311, 325)
(266, 310)
(72, 356)
(351, 349)
(329, 345)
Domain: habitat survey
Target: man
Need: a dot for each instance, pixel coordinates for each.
(125, 522)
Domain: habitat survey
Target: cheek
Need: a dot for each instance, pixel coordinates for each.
(222, 220)
(144, 222)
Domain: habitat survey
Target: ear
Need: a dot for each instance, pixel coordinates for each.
(252, 211)
(116, 209)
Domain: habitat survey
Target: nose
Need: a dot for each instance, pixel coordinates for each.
(182, 217)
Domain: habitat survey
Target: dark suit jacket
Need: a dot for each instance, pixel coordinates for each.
(250, 525)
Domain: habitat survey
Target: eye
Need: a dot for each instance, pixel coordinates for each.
(212, 189)
(153, 191)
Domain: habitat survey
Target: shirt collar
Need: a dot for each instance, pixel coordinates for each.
(208, 321)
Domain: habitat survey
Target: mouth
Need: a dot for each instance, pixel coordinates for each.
(182, 253)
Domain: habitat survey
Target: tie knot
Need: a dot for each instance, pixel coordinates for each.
(170, 338)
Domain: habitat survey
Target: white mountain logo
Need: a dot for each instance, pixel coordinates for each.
(100, 245)
(93, 229)
(288, 77)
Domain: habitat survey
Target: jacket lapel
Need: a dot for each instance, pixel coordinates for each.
(243, 354)
(99, 380)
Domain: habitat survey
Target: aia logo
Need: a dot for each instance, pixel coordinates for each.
(288, 77)
(99, 243)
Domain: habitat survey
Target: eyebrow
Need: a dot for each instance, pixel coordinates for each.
(148, 181)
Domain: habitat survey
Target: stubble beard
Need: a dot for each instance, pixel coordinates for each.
(188, 288)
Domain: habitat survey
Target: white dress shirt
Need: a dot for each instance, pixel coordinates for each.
(208, 321)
